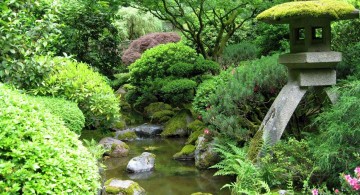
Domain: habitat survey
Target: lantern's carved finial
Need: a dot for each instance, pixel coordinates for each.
(310, 63)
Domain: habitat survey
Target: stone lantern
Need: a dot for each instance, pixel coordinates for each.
(310, 63)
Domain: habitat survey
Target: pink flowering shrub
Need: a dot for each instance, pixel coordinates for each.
(353, 182)
(349, 185)
(145, 42)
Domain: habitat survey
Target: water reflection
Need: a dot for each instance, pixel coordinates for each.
(170, 177)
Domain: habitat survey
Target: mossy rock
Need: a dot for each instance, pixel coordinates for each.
(194, 136)
(156, 107)
(159, 112)
(196, 125)
(255, 145)
(162, 116)
(331, 9)
(197, 128)
(186, 153)
(129, 135)
(123, 187)
(205, 154)
(177, 125)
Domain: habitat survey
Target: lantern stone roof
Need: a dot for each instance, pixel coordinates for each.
(332, 9)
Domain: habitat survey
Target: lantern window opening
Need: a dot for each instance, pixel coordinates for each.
(300, 35)
(317, 33)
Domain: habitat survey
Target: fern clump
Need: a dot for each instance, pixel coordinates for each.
(235, 162)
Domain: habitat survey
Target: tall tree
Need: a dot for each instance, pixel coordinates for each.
(191, 17)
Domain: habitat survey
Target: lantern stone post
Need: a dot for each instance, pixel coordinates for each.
(310, 63)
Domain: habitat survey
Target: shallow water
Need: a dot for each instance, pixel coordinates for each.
(170, 177)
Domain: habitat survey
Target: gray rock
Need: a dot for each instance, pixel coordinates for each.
(144, 162)
(123, 187)
(148, 130)
(205, 155)
(114, 148)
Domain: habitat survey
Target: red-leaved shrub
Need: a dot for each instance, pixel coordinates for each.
(145, 42)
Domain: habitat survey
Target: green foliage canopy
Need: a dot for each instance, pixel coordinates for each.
(28, 29)
(193, 17)
(87, 33)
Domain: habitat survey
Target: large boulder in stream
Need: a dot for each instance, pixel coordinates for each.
(177, 125)
(114, 148)
(148, 130)
(205, 154)
(123, 187)
(144, 162)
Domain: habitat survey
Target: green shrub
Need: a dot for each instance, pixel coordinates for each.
(346, 38)
(120, 79)
(181, 69)
(337, 146)
(87, 33)
(39, 155)
(79, 83)
(236, 108)
(290, 160)
(208, 88)
(167, 73)
(68, 111)
(233, 54)
(179, 90)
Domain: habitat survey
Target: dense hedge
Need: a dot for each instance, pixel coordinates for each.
(38, 154)
(79, 83)
(68, 111)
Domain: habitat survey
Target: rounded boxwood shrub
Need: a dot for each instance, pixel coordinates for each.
(168, 73)
(79, 83)
(68, 111)
(38, 154)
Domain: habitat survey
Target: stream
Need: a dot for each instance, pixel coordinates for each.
(170, 177)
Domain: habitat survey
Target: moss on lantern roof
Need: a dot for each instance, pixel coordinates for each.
(333, 9)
